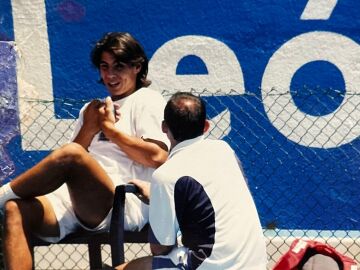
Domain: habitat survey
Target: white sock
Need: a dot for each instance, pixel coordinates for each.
(6, 193)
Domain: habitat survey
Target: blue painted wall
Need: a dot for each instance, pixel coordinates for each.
(295, 185)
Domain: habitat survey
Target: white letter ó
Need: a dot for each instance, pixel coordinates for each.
(327, 131)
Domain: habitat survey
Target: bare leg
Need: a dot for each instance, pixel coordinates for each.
(144, 263)
(21, 218)
(91, 189)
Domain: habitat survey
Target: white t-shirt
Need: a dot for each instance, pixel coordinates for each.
(141, 114)
(201, 191)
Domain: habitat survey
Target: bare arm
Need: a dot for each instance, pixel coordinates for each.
(146, 151)
(91, 124)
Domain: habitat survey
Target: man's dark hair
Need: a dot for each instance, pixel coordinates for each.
(185, 115)
(126, 49)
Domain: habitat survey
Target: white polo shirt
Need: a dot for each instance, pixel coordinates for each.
(201, 191)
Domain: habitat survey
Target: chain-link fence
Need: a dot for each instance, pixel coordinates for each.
(299, 150)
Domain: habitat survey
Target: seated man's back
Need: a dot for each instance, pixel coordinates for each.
(203, 186)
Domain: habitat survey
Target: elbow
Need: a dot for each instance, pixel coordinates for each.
(158, 159)
(158, 163)
(158, 250)
(157, 154)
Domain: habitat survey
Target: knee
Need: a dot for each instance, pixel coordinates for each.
(12, 215)
(22, 214)
(69, 154)
(11, 207)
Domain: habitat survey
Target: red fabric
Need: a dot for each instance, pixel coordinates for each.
(291, 259)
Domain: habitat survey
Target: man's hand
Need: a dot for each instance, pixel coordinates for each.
(109, 114)
(91, 117)
(144, 189)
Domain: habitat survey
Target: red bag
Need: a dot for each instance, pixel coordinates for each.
(301, 250)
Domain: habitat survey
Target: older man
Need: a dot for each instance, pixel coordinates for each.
(199, 193)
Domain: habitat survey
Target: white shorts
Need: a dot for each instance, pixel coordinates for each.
(136, 215)
(176, 259)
